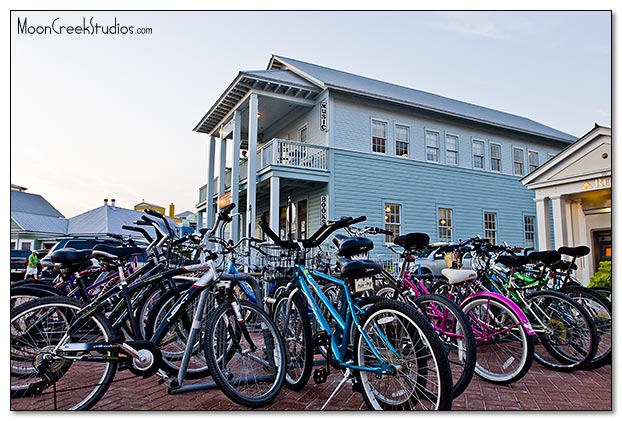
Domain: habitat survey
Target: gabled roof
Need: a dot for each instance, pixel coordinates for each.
(32, 203)
(39, 223)
(588, 157)
(327, 78)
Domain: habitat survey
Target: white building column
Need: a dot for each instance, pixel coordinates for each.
(251, 184)
(560, 221)
(275, 199)
(235, 174)
(543, 217)
(222, 170)
(209, 193)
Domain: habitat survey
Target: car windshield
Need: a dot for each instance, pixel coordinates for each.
(20, 253)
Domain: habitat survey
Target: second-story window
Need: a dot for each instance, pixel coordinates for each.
(478, 154)
(532, 156)
(519, 161)
(392, 220)
(431, 145)
(379, 136)
(451, 149)
(495, 157)
(402, 140)
(302, 134)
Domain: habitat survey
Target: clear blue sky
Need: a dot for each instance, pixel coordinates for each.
(96, 117)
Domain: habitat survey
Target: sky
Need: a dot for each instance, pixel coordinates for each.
(112, 116)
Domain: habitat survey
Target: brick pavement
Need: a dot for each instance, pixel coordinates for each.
(541, 389)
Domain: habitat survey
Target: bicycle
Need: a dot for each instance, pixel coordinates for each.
(388, 349)
(65, 353)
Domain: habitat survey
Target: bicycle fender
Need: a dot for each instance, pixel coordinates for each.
(522, 317)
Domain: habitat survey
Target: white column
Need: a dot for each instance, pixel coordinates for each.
(235, 174)
(209, 194)
(222, 167)
(275, 185)
(251, 185)
(543, 216)
(560, 221)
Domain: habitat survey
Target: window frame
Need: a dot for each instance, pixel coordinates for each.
(385, 205)
(449, 225)
(531, 232)
(386, 138)
(437, 148)
(474, 141)
(491, 144)
(457, 150)
(530, 153)
(514, 162)
(494, 230)
(305, 128)
(407, 142)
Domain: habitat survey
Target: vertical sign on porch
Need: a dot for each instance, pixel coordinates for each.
(323, 209)
(324, 116)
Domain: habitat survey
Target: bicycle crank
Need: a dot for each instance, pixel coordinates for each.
(144, 357)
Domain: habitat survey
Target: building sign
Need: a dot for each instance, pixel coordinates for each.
(597, 183)
(324, 116)
(323, 209)
(224, 200)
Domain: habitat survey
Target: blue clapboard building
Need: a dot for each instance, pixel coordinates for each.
(339, 144)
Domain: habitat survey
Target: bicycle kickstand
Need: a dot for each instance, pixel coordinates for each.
(346, 377)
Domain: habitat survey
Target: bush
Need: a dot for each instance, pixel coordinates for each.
(602, 277)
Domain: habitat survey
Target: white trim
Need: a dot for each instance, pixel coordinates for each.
(529, 163)
(425, 145)
(371, 135)
(483, 142)
(500, 156)
(395, 140)
(457, 164)
(514, 160)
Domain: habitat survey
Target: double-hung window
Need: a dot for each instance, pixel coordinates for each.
(478, 154)
(379, 136)
(490, 226)
(402, 140)
(431, 145)
(451, 149)
(302, 134)
(445, 224)
(392, 220)
(519, 161)
(529, 223)
(495, 157)
(532, 157)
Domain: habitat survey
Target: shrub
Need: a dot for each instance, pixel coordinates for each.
(602, 277)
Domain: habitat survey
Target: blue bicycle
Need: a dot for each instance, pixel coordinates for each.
(389, 350)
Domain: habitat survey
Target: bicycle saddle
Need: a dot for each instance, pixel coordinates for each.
(413, 240)
(70, 256)
(355, 269)
(547, 257)
(516, 261)
(351, 246)
(578, 251)
(112, 252)
(458, 276)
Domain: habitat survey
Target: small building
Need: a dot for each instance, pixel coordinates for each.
(573, 199)
(338, 144)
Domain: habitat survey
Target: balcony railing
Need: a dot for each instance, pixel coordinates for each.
(288, 153)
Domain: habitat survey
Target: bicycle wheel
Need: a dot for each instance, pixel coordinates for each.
(246, 355)
(24, 293)
(599, 309)
(505, 350)
(415, 373)
(174, 340)
(298, 339)
(603, 291)
(454, 330)
(567, 338)
(46, 378)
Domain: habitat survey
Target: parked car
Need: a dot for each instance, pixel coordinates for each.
(433, 261)
(19, 260)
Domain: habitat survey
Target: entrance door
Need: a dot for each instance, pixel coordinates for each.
(602, 246)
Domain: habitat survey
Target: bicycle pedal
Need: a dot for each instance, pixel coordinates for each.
(321, 338)
(320, 375)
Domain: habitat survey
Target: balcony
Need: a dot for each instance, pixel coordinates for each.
(290, 154)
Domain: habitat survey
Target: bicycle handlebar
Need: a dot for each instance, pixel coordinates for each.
(140, 230)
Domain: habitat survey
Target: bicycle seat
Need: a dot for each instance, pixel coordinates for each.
(413, 240)
(458, 276)
(547, 257)
(351, 246)
(514, 261)
(578, 251)
(70, 256)
(563, 265)
(355, 269)
(111, 252)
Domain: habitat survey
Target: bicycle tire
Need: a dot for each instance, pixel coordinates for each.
(250, 373)
(600, 311)
(45, 379)
(298, 339)
(568, 336)
(505, 350)
(419, 376)
(23, 293)
(456, 334)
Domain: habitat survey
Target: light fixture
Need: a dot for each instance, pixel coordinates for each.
(258, 114)
(442, 222)
(387, 209)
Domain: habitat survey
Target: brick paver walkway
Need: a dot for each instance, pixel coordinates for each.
(540, 389)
